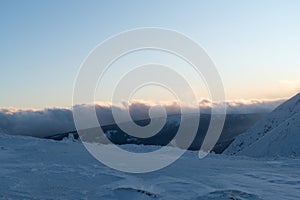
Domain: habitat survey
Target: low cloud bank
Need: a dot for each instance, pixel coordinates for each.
(42, 123)
(36, 123)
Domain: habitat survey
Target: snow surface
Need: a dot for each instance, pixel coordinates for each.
(278, 134)
(32, 168)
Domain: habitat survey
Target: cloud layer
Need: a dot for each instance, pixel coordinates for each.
(41, 123)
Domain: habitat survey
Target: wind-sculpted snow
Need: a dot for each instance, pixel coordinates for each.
(276, 135)
(33, 168)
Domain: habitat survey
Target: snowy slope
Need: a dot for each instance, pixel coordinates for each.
(33, 168)
(278, 134)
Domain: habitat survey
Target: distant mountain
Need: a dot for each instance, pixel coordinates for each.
(234, 125)
(278, 134)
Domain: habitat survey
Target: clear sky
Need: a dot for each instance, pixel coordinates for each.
(254, 44)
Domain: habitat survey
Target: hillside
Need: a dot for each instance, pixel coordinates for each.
(278, 134)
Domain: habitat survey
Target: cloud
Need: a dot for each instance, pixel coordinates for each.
(36, 122)
(41, 123)
(253, 105)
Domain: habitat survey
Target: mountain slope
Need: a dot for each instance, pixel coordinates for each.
(278, 134)
(234, 125)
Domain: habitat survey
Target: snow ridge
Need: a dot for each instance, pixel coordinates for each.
(278, 134)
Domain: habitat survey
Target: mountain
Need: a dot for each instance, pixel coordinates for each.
(234, 125)
(278, 134)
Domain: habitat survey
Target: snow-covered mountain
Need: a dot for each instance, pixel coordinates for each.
(278, 134)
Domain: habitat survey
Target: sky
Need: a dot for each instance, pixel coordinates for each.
(255, 45)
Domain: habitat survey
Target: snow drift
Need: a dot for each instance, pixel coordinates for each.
(278, 134)
(33, 168)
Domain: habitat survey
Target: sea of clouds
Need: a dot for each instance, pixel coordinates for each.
(50, 121)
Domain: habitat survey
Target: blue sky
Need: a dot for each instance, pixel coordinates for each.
(254, 44)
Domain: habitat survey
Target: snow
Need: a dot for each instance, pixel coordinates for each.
(32, 168)
(276, 135)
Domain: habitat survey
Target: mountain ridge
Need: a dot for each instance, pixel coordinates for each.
(277, 134)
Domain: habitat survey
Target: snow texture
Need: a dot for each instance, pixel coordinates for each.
(32, 168)
(278, 134)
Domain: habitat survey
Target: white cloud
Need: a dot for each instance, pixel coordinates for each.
(45, 122)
